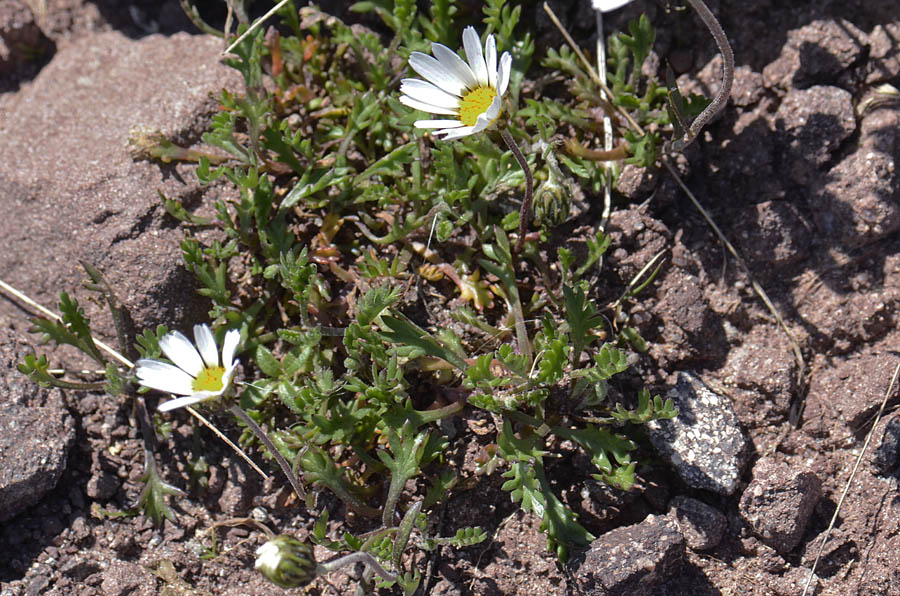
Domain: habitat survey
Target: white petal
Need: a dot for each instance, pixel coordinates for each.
(438, 123)
(435, 72)
(608, 5)
(182, 402)
(206, 344)
(487, 118)
(472, 45)
(451, 61)
(427, 93)
(229, 347)
(181, 352)
(418, 105)
(162, 376)
(267, 556)
(449, 134)
(503, 73)
(490, 51)
(226, 380)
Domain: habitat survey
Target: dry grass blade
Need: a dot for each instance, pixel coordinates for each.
(590, 69)
(607, 121)
(256, 25)
(49, 313)
(862, 452)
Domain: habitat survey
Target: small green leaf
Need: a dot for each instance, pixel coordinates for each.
(267, 362)
(153, 497)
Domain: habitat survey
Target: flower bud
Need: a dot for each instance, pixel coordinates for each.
(552, 201)
(286, 561)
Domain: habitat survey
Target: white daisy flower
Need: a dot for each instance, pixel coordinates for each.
(472, 93)
(196, 375)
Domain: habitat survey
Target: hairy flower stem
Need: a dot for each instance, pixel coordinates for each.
(353, 558)
(262, 436)
(721, 97)
(525, 211)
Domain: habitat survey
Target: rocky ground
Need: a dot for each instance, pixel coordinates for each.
(797, 173)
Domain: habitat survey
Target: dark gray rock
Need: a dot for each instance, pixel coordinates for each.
(701, 525)
(631, 560)
(34, 443)
(36, 432)
(813, 123)
(817, 53)
(704, 443)
(778, 502)
(886, 459)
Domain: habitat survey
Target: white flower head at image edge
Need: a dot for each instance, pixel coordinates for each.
(471, 90)
(198, 374)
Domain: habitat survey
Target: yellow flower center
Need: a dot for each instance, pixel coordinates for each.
(475, 103)
(209, 379)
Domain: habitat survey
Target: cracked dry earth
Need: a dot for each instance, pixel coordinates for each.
(738, 490)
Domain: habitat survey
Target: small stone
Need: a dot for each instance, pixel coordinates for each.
(701, 525)
(37, 585)
(760, 375)
(886, 459)
(813, 123)
(884, 59)
(102, 486)
(857, 203)
(691, 330)
(778, 503)
(816, 53)
(34, 444)
(704, 443)
(632, 559)
(772, 235)
(636, 183)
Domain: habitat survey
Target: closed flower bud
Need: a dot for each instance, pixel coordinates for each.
(286, 561)
(552, 201)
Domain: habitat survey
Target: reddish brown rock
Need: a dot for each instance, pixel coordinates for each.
(778, 503)
(817, 53)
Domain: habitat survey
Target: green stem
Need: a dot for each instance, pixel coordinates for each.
(262, 436)
(525, 211)
(428, 416)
